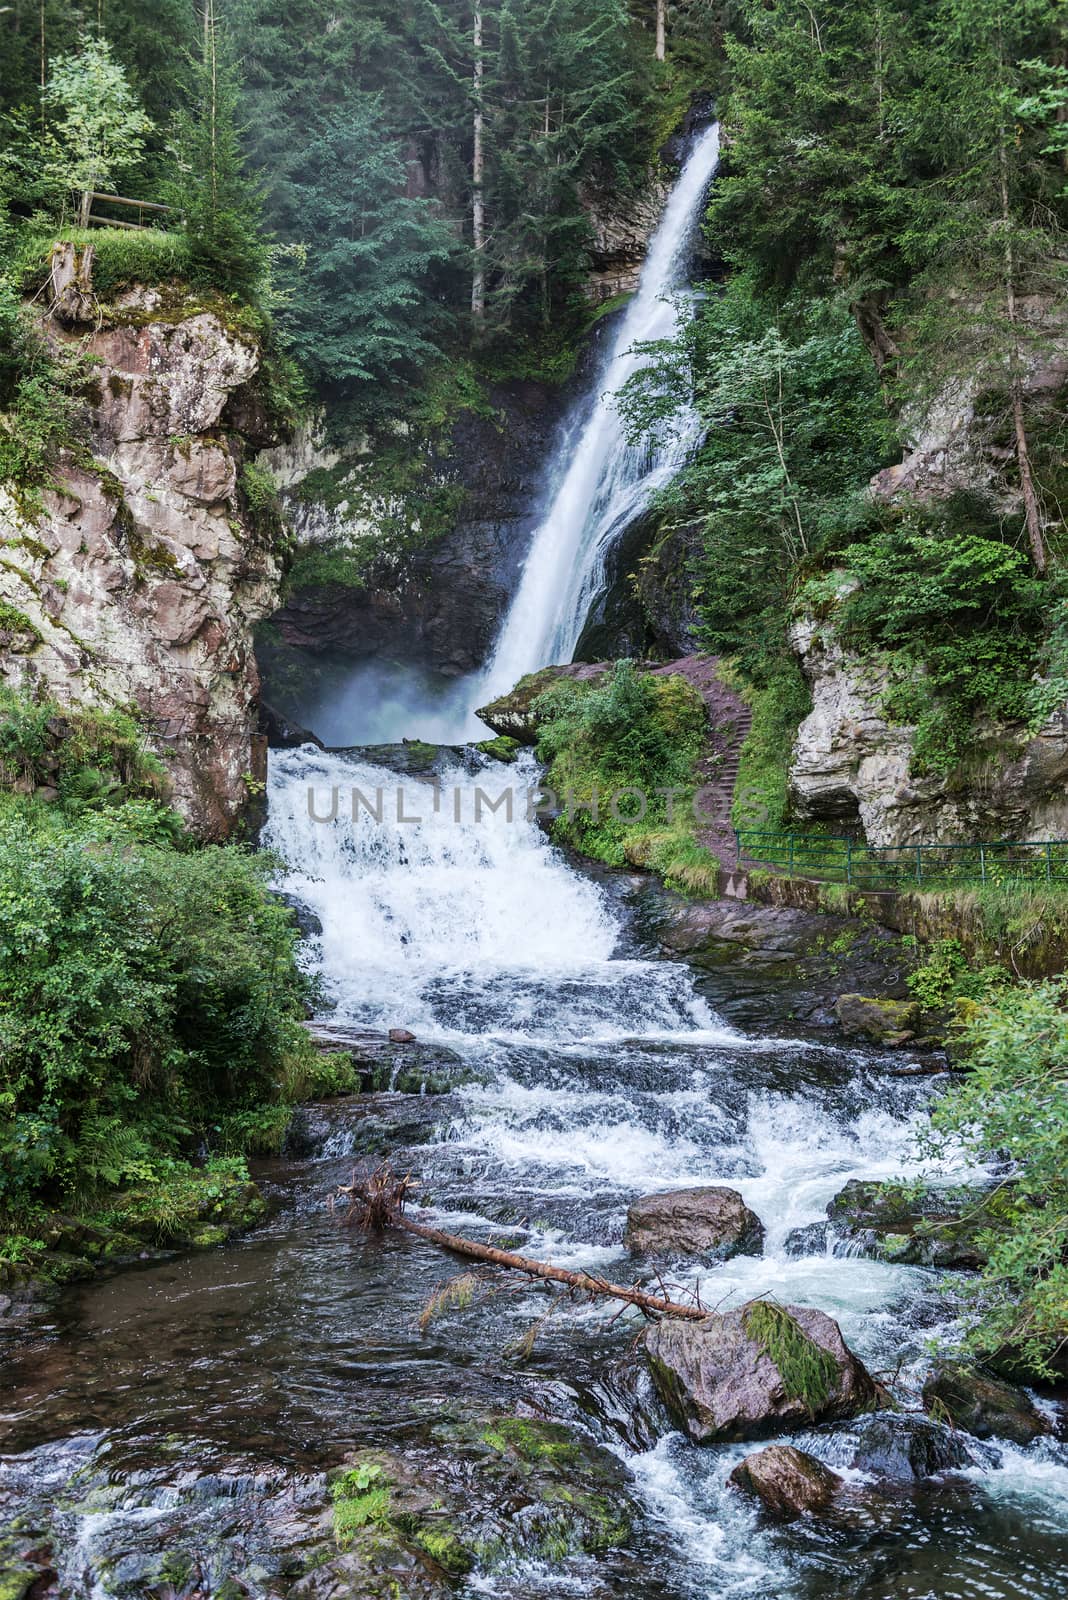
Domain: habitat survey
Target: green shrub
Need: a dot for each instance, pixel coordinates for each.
(147, 992)
(960, 614)
(628, 731)
(1013, 1103)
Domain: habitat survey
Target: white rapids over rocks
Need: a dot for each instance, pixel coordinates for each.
(610, 1076)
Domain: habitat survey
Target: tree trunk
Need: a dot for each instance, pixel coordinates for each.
(661, 29)
(382, 1196)
(478, 200)
(1032, 510)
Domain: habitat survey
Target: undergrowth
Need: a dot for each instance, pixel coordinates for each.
(622, 755)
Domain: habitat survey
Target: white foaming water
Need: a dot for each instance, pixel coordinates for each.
(605, 1078)
(458, 928)
(604, 483)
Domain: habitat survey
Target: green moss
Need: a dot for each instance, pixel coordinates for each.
(14, 621)
(502, 748)
(15, 1581)
(361, 1498)
(808, 1372)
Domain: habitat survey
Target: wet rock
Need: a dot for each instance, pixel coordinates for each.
(756, 1370)
(282, 732)
(788, 1482)
(902, 1449)
(882, 1021)
(386, 1063)
(929, 1227)
(304, 919)
(367, 1124)
(712, 1222)
(983, 1405)
(808, 1241)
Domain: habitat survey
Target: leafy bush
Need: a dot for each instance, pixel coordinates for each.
(960, 613)
(147, 992)
(91, 755)
(629, 731)
(47, 410)
(1014, 1103)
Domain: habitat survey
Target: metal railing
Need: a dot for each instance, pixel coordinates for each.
(908, 866)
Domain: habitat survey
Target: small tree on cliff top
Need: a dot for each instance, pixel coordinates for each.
(100, 127)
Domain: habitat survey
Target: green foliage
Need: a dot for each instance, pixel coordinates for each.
(796, 427)
(219, 203)
(148, 991)
(778, 706)
(630, 731)
(99, 126)
(948, 974)
(47, 411)
(961, 615)
(1014, 1102)
(44, 742)
(808, 1371)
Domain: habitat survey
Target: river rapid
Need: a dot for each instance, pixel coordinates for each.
(168, 1430)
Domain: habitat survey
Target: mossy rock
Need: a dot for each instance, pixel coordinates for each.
(502, 748)
(891, 1022)
(512, 715)
(921, 1226)
(756, 1370)
(501, 1489)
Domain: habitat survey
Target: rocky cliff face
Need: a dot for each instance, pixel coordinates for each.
(434, 600)
(139, 578)
(849, 763)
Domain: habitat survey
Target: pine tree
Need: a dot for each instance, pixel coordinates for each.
(219, 202)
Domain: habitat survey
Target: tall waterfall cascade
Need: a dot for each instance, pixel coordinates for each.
(602, 482)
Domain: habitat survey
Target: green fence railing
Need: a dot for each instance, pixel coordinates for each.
(907, 866)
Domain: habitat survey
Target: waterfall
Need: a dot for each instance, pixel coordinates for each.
(602, 482)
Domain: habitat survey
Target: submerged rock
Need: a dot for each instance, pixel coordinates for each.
(756, 1370)
(788, 1482)
(882, 1021)
(983, 1405)
(929, 1227)
(711, 1221)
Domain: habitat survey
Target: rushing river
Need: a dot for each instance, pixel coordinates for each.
(167, 1429)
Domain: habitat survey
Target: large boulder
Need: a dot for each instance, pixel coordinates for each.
(901, 1449)
(756, 1370)
(512, 715)
(983, 1405)
(883, 1021)
(788, 1482)
(709, 1221)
